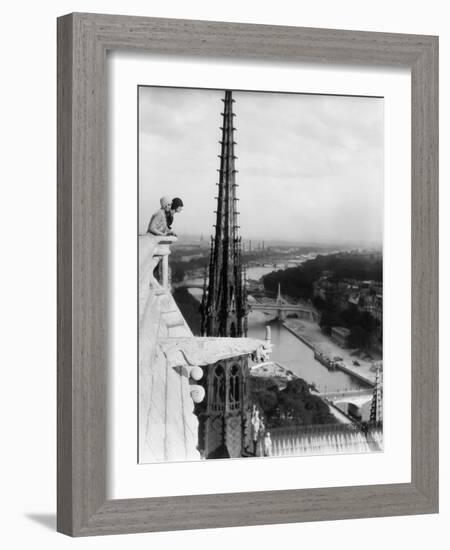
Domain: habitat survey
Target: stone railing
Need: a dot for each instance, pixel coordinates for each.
(168, 428)
(154, 251)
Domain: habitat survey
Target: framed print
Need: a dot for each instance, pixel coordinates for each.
(247, 244)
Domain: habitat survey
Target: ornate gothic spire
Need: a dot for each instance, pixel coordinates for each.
(224, 305)
(376, 409)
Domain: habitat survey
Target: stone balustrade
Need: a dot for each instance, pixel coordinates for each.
(153, 251)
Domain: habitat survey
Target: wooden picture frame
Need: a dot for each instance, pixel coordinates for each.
(83, 40)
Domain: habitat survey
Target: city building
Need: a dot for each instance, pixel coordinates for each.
(340, 335)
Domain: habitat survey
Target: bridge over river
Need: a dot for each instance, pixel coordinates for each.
(281, 311)
(281, 308)
(354, 403)
(346, 394)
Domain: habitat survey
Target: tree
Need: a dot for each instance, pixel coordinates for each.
(358, 337)
(318, 303)
(350, 316)
(367, 322)
(177, 274)
(294, 405)
(329, 319)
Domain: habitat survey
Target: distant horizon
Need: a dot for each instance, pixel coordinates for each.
(287, 242)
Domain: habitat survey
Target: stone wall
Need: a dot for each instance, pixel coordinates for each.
(168, 428)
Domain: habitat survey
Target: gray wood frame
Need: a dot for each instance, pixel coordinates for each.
(83, 40)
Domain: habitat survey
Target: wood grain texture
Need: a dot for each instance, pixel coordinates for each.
(83, 40)
(64, 330)
(424, 276)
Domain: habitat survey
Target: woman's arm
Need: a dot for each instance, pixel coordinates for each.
(157, 225)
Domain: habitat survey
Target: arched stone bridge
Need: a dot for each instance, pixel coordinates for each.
(282, 308)
(356, 403)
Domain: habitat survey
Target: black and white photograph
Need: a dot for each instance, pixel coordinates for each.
(260, 255)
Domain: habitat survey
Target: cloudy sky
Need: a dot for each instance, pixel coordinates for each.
(310, 166)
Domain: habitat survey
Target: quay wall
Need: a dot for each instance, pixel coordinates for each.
(351, 372)
(300, 337)
(339, 365)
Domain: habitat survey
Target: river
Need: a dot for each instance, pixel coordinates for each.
(292, 353)
(256, 272)
(296, 356)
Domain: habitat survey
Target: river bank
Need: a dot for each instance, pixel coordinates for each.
(294, 343)
(311, 335)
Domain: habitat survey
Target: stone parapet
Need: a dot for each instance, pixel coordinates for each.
(168, 428)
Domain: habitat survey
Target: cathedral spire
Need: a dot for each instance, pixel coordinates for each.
(224, 307)
(376, 409)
